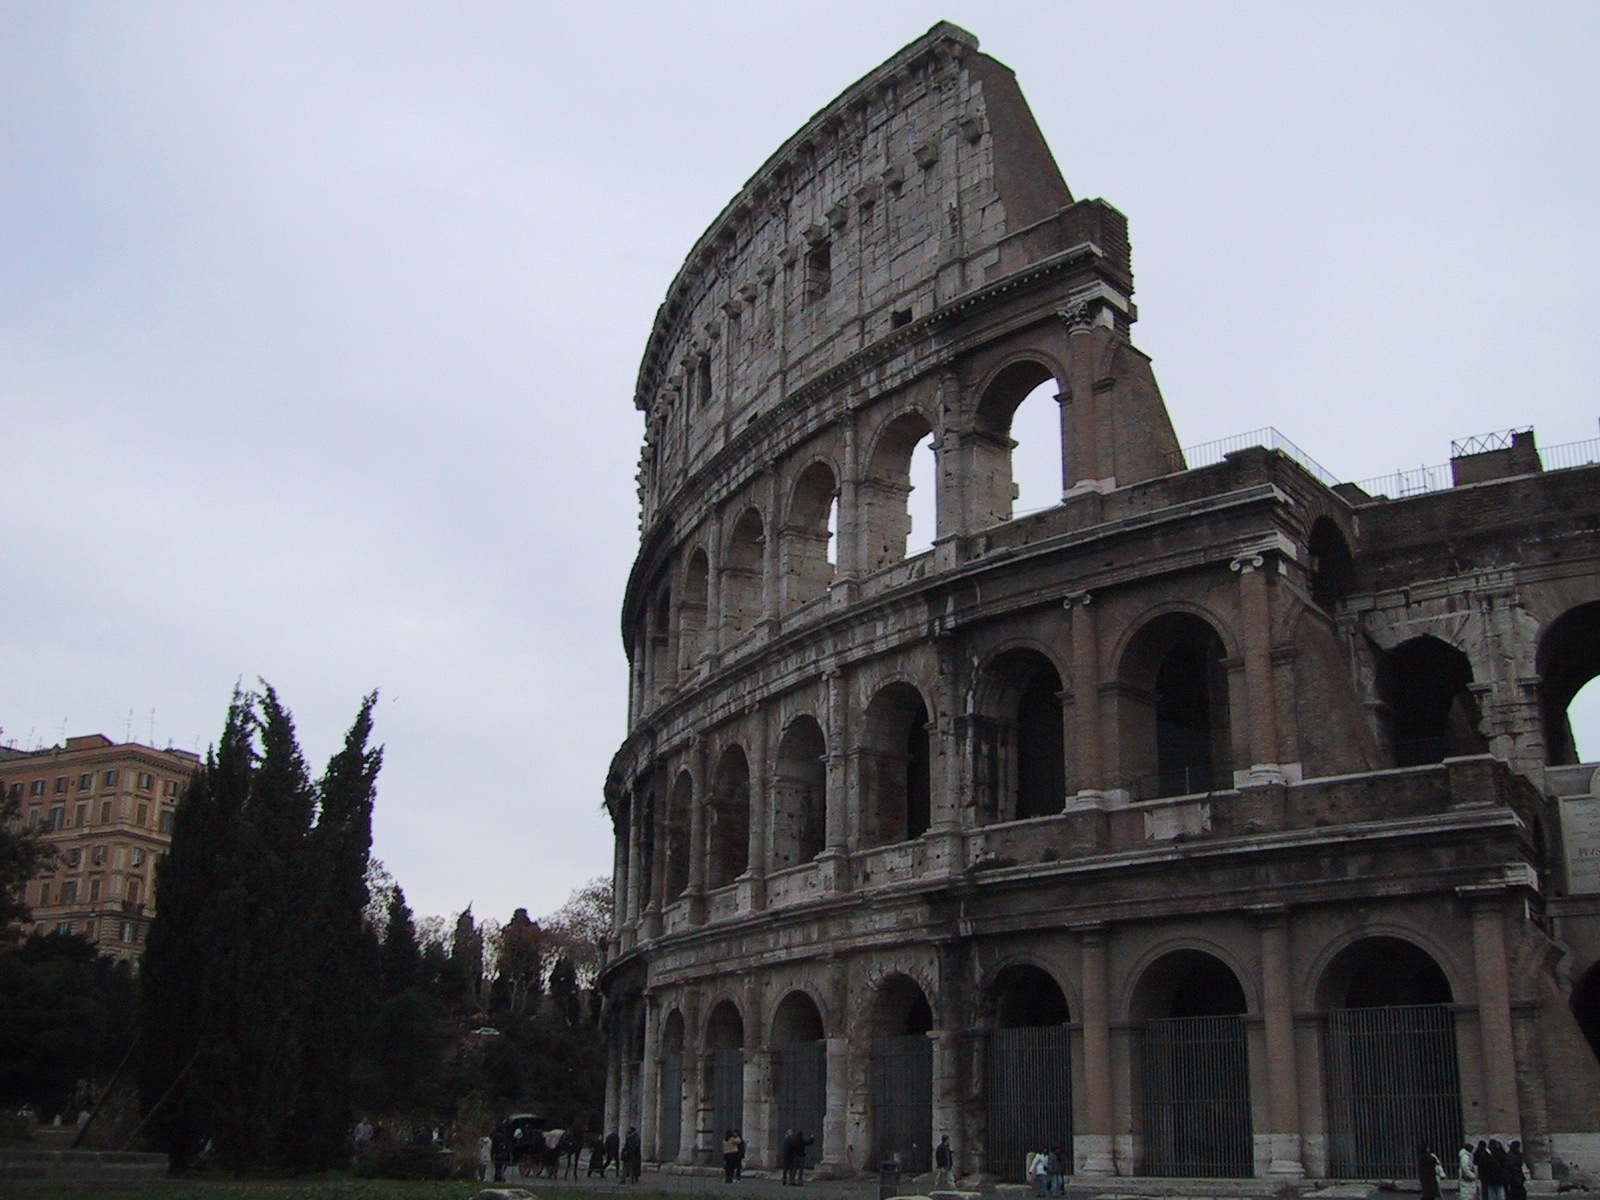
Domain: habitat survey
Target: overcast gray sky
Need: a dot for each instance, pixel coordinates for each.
(319, 325)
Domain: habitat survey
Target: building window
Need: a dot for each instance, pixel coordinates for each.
(58, 818)
(44, 893)
(127, 931)
(94, 888)
(74, 857)
(105, 813)
(138, 856)
(819, 270)
(146, 781)
(38, 787)
(171, 788)
(99, 855)
(61, 783)
(16, 790)
(110, 780)
(69, 892)
(144, 815)
(63, 926)
(85, 781)
(34, 816)
(166, 821)
(81, 817)
(133, 891)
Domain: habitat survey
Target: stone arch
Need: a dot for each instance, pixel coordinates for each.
(1193, 1080)
(803, 545)
(669, 1108)
(728, 819)
(1175, 727)
(1389, 1054)
(744, 575)
(1333, 570)
(883, 495)
(1023, 995)
(693, 604)
(1585, 1004)
(1028, 1067)
(725, 1043)
(1569, 659)
(1432, 713)
(900, 1018)
(1319, 989)
(1001, 395)
(799, 1073)
(896, 789)
(800, 794)
(662, 661)
(1019, 736)
(797, 1018)
(680, 804)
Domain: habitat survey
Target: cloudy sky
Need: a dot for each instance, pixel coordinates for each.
(319, 325)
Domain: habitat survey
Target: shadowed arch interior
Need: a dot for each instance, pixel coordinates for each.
(679, 804)
(728, 820)
(805, 567)
(1382, 971)
(1026, 997)
(1176, 731)
(1433, 714)
(799, 794)
(1333, 571)
(743, 574)
(1569, 657)
(692, 611)
(896, 791)
(883, 497)
(1020, 770)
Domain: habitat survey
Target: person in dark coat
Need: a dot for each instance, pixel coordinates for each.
(632, 1157)
(1516, 1173)
(786, 1156)
(500, 1150)
(613, 1158)
(1428, 1173)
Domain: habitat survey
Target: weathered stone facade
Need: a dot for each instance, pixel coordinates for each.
(1158, 824)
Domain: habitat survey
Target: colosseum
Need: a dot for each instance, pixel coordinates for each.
(1218, 820)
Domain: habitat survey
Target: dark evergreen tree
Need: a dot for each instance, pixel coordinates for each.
(401, 958)
(22, 854)
(338, 954)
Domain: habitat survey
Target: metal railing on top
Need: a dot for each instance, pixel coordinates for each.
(1208, 453)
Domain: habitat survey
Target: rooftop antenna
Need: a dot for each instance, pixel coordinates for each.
(63, 731)
(152, 740)
(127, 728)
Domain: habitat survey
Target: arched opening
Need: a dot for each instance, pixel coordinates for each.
(669, 1128)
(1018, 447)
(743, 590)
(728, 820)
(896, 793)
(1569, 662)
(1333, 571)
(799, 794)
(662, 662)
(800, 1069)
(1177, 736)
(1586, 1006)
(679, 807)
(895, 500)
(725, 1037)
(692, 612)
(806, 565)
(1433, 714)
(1028, 1071)
(902, 1075)
(1194, 1068)
(1389, 1059)
(1021, 769)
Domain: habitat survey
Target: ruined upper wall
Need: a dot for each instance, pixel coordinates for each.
(890, 202)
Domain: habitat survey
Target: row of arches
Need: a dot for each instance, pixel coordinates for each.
(776, 561)
(1388, 1065)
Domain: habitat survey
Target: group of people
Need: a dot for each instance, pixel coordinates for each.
(733, 1148)
(1488, 1171)
(793, 1155)
(1048, 1170)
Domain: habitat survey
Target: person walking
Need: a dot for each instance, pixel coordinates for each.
(1428, 1173)
(632, 1157)
(730, 1155)
(802, 1143)
(1058, 1171)
(944, 1160)
(1039, 1170)
(738, 1167)
(1466, 1173)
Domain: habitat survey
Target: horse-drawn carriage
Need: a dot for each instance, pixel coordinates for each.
(537, 1149)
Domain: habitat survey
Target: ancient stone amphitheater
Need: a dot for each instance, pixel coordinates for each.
(1216, 820)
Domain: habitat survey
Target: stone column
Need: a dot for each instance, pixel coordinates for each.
(1086, 731)
(613, 1117)
(689, 1111)
(946, 1090)
(757, 1104)
(833, 862)
(1283, 1076)
(835, 1128)
(634, 848)
(1092, 1151)
(650, 1085)
(1502, 1117)
(753, 883)
(1255, 609)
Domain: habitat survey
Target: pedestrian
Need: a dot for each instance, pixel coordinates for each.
(730, 1155)
(738, 1167)
(944, 1160)
(1466, 1173)
(1428, 1173)
(1039, 1169)
(361, 1140)
(786, 1156)
(802, 1142)
(613, 1155)
(597, 1157)
(500, 1149)
(1058, 1171)
(632, 1157)
(1516, 1173)
(1495, 1175)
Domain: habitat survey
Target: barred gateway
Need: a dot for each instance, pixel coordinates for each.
(1216, 820)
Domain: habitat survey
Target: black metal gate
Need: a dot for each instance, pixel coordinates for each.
(1029, 1091)
(802, 1090)
(727, 1094)
(1392, 1086)
(902, 1100)
(670, 1108)
(1195, 1072)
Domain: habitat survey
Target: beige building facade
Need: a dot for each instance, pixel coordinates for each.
(1218, 820)
(107, 810)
